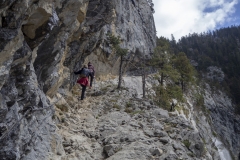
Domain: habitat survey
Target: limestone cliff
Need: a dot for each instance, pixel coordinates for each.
(41, 43)
(116, 124)
(225, 122)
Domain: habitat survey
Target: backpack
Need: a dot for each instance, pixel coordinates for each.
(91, 69)
(84, 73)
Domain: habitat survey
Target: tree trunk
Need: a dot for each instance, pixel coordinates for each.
(144, 78)
(182, 84)
(144, 82)
(162, 79)
(120, 73)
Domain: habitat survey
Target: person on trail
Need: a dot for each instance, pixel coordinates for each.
(92, 72)
(83, 79)
(84, 72)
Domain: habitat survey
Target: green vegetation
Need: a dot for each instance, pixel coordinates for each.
(162, 60)
(128, 110)
(115, 42)
(116, 106)
(199, 102)
(219, 48)
(191, 154)
(113, 100)
(129, 104)
(185, 110)
(164, 95)
(62, 107)
(175, 91)
(187, 143)
(214, 133)
(104, 89)
(175, 73)
(137, 112)
(185, 69)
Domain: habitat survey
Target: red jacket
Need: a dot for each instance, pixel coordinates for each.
(83, 81)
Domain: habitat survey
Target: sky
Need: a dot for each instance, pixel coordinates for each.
(181, 17)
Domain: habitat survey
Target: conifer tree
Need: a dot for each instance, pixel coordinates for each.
(115, 42)
(162, 59)
(186, 70)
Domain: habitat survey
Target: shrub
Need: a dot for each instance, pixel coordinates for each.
(129, 104)
(128, 110)
(164, 96)
(175, 91)
(116, 106)
(199, 100)
(187, 143)
(62, 107)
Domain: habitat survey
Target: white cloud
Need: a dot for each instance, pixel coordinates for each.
(181, 17)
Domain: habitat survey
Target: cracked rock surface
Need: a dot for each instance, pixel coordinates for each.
(111, 125)
(41, 43)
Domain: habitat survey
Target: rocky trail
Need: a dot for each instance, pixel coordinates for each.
(75, 126)
(44, 41)
(115, 124)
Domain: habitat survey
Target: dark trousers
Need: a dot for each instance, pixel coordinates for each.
(83, 91)
(91, 79)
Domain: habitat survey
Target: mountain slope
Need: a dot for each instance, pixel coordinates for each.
(216, 56)
(41, 43)
(115, 124)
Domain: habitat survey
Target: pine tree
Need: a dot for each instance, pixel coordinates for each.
(186, 70)
(115, 42)
(162, 59)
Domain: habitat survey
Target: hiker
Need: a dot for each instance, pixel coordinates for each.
(92, 71)
(83, 79)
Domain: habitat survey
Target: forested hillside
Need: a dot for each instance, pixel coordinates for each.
(219, 48)
(216, 60)
(175, 73)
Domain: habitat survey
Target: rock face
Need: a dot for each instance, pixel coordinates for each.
(225, 122)
(41, 43)
(116, 124)
(215, 73)
(131, 20)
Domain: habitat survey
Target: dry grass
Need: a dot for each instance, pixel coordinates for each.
(62, 107)
(106, 77)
